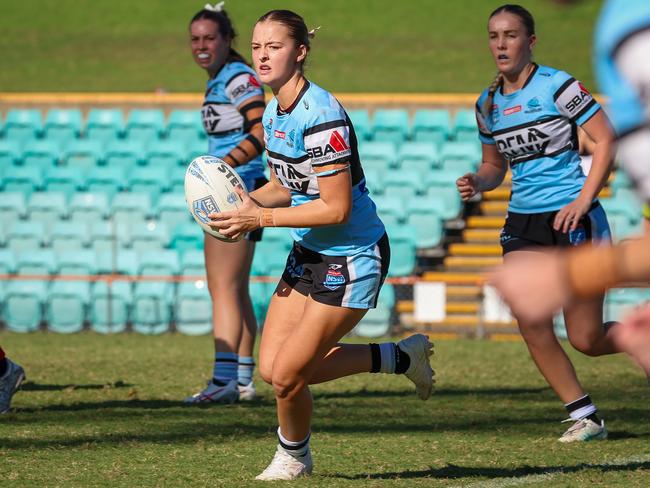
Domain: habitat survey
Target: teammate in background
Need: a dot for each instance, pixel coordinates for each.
(528, 119)
(556, 279)
(232, 117)
(341, 252)
(11, 377)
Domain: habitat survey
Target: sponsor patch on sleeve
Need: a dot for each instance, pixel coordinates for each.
(241, 85)
(573, 99)
(329, 144)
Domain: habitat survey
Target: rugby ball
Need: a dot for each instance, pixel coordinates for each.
(210, 187)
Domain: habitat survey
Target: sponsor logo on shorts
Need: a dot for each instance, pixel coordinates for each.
(512, 110)
(203, 207)
(578, 236)
(334, 279)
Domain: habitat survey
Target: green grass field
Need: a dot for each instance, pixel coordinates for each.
(105, 411)
(363, 46)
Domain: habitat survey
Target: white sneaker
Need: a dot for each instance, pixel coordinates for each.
(286, 467)
(584, 430)
(420, 372)
(216, 394)
(247, 393)
(9, 383)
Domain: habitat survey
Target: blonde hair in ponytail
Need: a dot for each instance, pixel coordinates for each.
(487, 105)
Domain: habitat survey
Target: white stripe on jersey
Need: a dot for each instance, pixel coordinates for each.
(219, 118)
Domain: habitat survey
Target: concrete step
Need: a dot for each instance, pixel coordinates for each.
(474, 263)
(467, 249)
(485, 222)
(490, 236)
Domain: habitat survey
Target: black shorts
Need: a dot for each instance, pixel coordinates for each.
(342, 281)
(534, 230)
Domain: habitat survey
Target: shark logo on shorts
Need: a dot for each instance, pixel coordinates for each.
(203, 207)
(334, 279)
(578, 236)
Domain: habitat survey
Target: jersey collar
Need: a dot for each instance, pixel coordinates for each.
(528, 80)
(289, 109)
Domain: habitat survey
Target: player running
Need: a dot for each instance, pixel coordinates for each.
(232, 118)
(528, 119)
(621, 50)
(340, 255)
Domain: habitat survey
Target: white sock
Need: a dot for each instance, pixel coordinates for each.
(296, 449)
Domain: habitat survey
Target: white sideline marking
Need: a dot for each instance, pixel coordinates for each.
(552, 473)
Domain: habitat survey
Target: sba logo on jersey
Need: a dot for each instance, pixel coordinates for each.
(329, 152)
(334, 278)
(203, 207)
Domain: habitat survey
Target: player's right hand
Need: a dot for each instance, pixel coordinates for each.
(467, 186)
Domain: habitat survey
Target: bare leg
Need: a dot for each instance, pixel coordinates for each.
(249, 329)
(584, 323)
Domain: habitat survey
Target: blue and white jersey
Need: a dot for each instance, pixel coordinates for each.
(622, 61)
(622, 23)
(314, 132)
(235, 83)
(535, 130)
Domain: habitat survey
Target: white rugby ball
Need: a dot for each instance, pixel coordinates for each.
(210, 187)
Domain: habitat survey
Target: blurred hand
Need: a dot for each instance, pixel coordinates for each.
(568, 217)
(467, 186)
(236, 222)
(533, 284)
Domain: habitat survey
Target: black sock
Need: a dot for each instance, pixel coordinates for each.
(375, 354)
(3, 366)
(586, 404)
(402, 361)
(217, 382)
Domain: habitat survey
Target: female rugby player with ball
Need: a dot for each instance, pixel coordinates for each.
(528, 119)
(232, 117)
(340, 255)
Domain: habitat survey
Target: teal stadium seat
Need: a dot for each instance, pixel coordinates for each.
(107, 236)
(122, 261)
(36, 262)
(261, 294)
(172, 210)
(187, 236)
(88, 207)
(110, 306)
(622, 228)
(68, 235)
(624, 202)
(621, 180)
(23, 179)
(177, 181)
(23, 305)
(10, 153)
(378, 155)
(460, 157)
(376, 323)
(152, 180)
(160, 262)
(449, 194)
(83, 154)
(402, 255)
(196, 149)
(42, 154)
(184, 126)
(465, 128)
(144, 125)
(47, 207)
(12, 208)
(425, 215)
(124, 154)
(402, 183)
(270, 258)
(131, 207)
(193, 308)
(7, 261)
(192, 263)
(62, 125)
(78, 262)
(166, 155)
(361, 123)
(152, 307)
(620, 302)
(390, 209)
(420, 155)
(67, 305)
(104, 125)
(149, 236)
(107, 180)
(374, 181)
(65, 179)
(24, 235)
(391, 125)
(23, 124)
(431, 126)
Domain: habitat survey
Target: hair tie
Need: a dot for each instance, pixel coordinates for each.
(312, 33)
(217, 7)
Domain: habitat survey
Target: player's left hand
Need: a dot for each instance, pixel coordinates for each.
(568, 217)
(236, 222)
